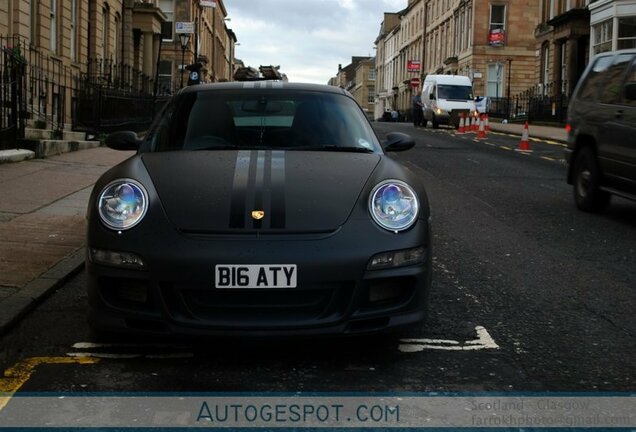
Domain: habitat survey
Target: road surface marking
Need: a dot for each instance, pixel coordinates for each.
(505, 148)
(149, 351)
(548, 158)
(483, 341)
(21, 372)
(99, 355)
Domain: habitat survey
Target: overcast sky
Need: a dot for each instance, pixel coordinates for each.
(307, 38)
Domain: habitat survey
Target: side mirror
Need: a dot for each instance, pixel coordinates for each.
(397, 142)
(630, 91)
(124, 140)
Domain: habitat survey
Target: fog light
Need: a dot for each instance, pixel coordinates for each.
(383, 290)
(117, 259)
(401, 258)
(132, 292)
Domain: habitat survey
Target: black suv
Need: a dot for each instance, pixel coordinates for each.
(601, 151)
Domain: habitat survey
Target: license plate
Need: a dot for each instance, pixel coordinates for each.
(255, 276)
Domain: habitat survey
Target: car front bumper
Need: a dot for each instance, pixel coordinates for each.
(175, 293)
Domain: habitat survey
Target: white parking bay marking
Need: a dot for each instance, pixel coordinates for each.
(483, 341)
(130, 351)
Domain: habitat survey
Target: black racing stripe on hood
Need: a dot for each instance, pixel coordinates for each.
(259, 187)
(239, 189)
(259, 184)
(278, 190)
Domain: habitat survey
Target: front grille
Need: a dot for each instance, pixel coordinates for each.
(254, 308)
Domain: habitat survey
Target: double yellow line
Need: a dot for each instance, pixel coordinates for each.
(20, 373)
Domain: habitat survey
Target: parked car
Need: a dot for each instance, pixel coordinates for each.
(258, 208)
(601, 150)
(445, 98)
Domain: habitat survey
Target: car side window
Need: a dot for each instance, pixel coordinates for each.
(629, 90)
(594, 78)
(613, 81)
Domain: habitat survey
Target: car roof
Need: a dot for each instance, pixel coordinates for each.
(448, 79)
(264, 85)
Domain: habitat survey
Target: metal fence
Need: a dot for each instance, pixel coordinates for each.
(101, 96)
(545, 103)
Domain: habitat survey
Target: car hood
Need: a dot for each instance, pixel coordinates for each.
(225, 191)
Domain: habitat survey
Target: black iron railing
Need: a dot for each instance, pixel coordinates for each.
(546, 103)
(99, 96)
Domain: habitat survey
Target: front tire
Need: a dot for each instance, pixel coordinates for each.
(586, 174)
(435, 123)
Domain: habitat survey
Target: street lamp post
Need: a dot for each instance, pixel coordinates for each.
(185, 38)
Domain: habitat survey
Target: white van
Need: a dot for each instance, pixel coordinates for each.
(445, 97)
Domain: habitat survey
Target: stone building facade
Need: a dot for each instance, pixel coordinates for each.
(613, 25)
(212, 44)
(491, 41)
(363, 89)
(399, 57)
(128, 47)
(563, 43)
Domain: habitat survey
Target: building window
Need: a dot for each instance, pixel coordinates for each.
(564, 67)
(372, 74)
(34, 21)
(165, 76)
(167, 7)
(53, 30)
(105, 30)
(602, 36)
(495, 80)
(117, 34)
(497, 17)
(627, 32)
(73, 28)
(545, 65)
(469, 27)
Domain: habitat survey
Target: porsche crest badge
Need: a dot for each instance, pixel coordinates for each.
(258, 214)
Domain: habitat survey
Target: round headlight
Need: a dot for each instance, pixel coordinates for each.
(393, 205)
(122, 204)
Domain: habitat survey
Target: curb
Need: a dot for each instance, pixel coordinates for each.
(519, 134)
(15, 307)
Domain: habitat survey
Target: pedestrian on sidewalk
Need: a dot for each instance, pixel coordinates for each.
(394, 115)
(418, 115)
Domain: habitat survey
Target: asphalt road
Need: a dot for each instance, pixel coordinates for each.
(545, 293)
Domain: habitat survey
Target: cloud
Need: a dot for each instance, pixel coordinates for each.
(307, 38)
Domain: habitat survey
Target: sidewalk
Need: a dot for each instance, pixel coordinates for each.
(534, 131)
(42, 223)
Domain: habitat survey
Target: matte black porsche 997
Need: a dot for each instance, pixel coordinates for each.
(258, 208)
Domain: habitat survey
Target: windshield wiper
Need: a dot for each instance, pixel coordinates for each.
(350, 149)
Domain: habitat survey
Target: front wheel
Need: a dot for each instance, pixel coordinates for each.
(435, 123)
(587, 193)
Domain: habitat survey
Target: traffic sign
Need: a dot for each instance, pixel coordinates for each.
(415, 82)
(184, 27)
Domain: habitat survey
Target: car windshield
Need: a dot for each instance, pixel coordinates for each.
(455, 92)
(255, 119)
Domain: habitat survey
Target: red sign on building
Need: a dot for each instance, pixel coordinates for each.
(415, 82)
(413, 66)
(497, 37)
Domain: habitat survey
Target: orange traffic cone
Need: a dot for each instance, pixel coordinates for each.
(481, 134)
(486, 124)
(476, 124)
(524, 145)
(462, 124)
